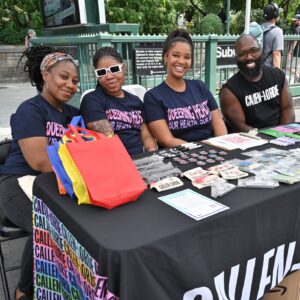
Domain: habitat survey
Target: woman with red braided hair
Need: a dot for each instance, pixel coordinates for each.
(38, 122)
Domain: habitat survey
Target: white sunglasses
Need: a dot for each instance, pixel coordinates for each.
(112, 69)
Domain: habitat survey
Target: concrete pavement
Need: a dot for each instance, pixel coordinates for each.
(11, 95)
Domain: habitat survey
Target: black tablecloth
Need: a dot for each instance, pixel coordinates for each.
(148, 250)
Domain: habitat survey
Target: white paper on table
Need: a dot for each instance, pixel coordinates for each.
(193, 204)
(26, 184)
(236, 141)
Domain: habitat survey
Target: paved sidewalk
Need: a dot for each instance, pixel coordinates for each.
(11, 95)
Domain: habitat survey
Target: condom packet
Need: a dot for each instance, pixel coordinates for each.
(233, 173)
(258, 182)
(234, 161)
(194, 173)
(252, 153)
(155, 169)
(288, 171)
(152, 165)
(163, 174)
(285, 178)
(147, 160)
(205, 181)
(166, 184)
(276, 151)
(250, 166)
(283, 141)
(190, 146)
(221, 188)
(221, 167)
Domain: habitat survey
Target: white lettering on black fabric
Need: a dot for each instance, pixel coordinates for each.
(265, 95)
(226, 290)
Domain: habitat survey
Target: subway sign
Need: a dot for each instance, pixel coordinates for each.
(225, 54)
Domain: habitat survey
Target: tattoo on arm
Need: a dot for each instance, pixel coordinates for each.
(102, 126)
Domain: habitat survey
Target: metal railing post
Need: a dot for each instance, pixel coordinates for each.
(211, 63)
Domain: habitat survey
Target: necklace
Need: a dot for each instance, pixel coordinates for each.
(178, 88)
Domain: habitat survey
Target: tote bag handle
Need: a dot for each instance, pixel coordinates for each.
(78, 121)
(73, 133)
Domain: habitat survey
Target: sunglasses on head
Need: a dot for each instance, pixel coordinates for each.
(112, 69)
(254, 51)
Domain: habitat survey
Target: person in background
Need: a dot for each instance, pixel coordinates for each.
(273, 44)
(111, 110)
(181, 110)
(294, 51)
(37, 122)
(257, 96)
(30, 35)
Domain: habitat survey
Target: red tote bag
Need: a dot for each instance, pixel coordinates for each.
(108, 171)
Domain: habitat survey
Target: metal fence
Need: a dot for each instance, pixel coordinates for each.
(205, 58)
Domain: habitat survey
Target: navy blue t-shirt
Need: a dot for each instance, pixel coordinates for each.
(124, 114)
(35, 118)
(188, 113)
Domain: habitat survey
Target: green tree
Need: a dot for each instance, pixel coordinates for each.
(210, 24)
(154, 16)
(256, 14)
(16, 16)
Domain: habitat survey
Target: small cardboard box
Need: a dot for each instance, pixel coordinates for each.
(288, 289)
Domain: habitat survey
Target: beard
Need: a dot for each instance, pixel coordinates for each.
(250, 74)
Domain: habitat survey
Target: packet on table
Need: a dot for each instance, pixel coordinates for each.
(216, 169)
(166, 184)
(221, 188)
(233, 173)
(194, 173)
(258, 182)
(205, 181)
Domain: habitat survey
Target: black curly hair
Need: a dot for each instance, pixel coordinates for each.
(105, 52)
(178, 35)
(34, 57)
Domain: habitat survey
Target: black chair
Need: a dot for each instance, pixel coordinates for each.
(8, 230)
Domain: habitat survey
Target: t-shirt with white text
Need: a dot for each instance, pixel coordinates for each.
(260, 100)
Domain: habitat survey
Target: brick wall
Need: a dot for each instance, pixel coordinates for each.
(9, 57)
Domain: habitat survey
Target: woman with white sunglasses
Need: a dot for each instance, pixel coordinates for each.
(111, 110)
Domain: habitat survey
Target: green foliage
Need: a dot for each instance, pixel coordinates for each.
(154, 16)
(237, 22)
(257, 15)
(16, 17)
(210, 24)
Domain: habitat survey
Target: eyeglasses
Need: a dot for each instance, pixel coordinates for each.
(112, 69)
(254, 51)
